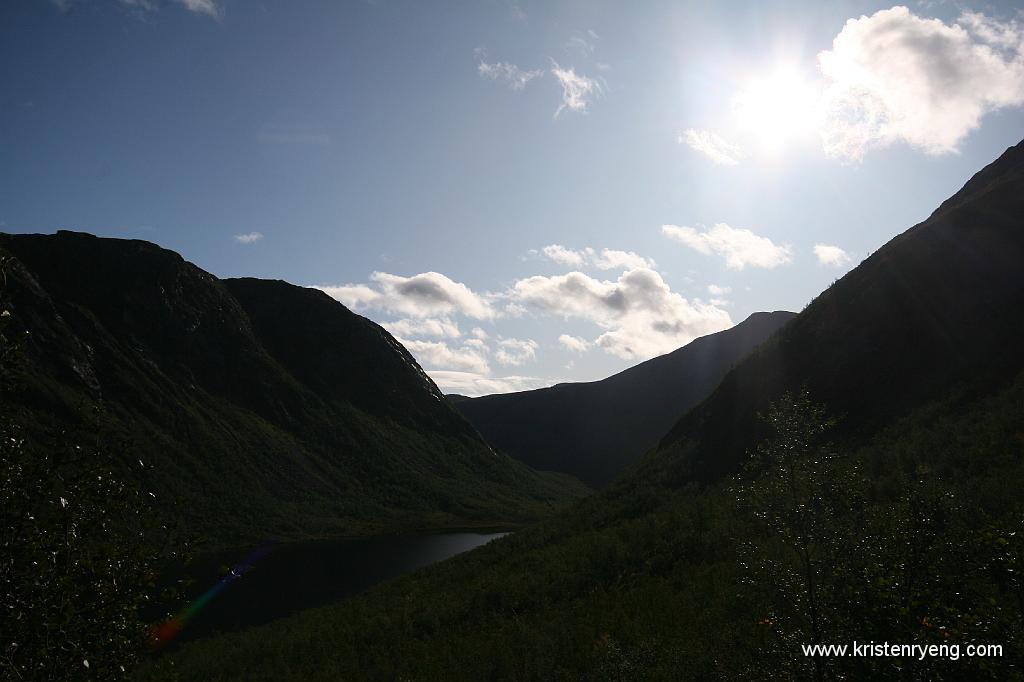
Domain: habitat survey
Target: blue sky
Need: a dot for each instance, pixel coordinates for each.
(522, 192)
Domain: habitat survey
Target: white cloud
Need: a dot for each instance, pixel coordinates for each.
(712, 146)
(608, 259)
(895, 76)
(831, 255)
(564, 256)
(248, 238)
(583, 43)
(716, 290)
(202, 7)
(574, 343)
(478, 333)
(428, 294)
(641, 315)
(611, 259)
(208, 7)
(435, 327)
(516, 78)
(474, 384)
(739, 247)
(577, 89)
(515, 352)
(439, 355)
(355, 296)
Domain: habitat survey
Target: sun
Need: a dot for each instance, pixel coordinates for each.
(777, 108)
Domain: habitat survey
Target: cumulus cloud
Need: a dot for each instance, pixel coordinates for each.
(577, 89)
(716, 290)
(516, 78)
(473, 384)
(574, 343)
(831, 255)
(564, 256)
(428, 294)
(894, 76)
(737, 246)
(515, 352)
(439, 355)
(441, 327)
(611, 259)
(712, 146)
(607, 259)
(641, 315)
(248, 238)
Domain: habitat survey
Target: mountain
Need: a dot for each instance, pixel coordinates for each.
(902, 525)
(937, 307)
(594, 430)
(266, 409)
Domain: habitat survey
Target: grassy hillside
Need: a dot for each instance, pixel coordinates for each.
(266, 410)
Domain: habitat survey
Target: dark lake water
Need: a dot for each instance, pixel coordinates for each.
(234, 590)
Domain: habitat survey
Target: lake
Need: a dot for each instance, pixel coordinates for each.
(234, 590)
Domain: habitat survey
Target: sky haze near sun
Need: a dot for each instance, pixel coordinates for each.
(522, 192)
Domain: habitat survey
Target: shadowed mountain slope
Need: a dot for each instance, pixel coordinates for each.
(593, 430)
(270, 410)
(938, 306)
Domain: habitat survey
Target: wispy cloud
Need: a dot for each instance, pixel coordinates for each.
(831, 255)
(207, 7)
(582, 42)
(739, 247)
(577, 90)
(712, 146)
(476, 384)
(607, 259)
(516, 77)
(249, 237)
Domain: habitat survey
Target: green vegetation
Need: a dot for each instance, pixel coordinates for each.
(267, 411)
(914, 537)
(81, 542)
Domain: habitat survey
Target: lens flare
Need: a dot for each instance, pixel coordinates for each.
(163, 633)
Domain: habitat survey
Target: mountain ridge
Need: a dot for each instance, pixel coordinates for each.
(269, 409)
(901, 312)
(593, 430)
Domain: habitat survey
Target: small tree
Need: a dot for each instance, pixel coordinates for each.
(791, 498)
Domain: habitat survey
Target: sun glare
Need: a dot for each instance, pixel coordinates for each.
(777, 108)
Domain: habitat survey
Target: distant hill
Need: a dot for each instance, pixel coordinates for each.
(269, 409)
(937, 307)
(593, 430)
